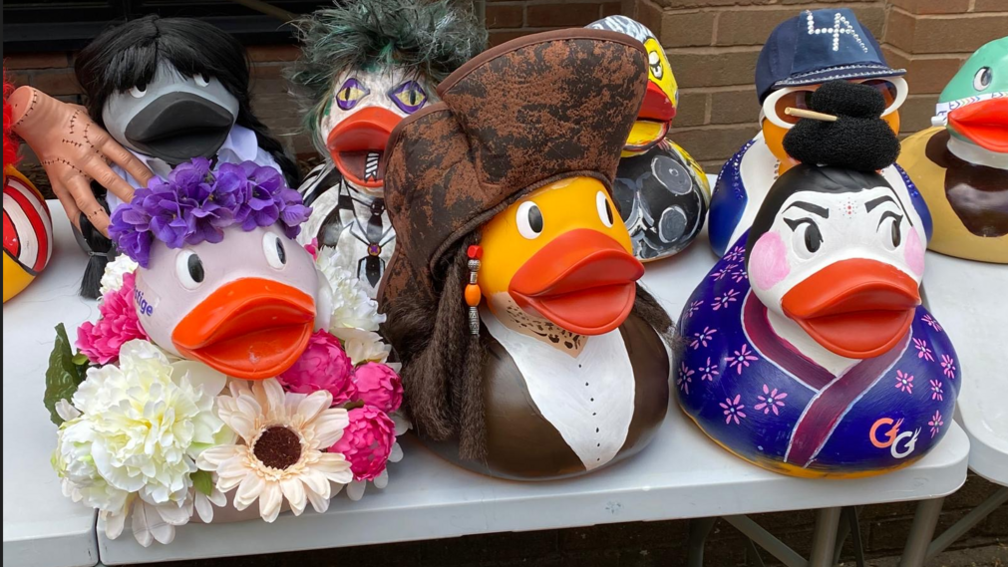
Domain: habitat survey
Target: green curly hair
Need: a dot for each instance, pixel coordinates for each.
(429, 38)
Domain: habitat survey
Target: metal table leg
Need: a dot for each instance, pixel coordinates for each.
(824, 538)
(925, 520)
(974, 517)
(699, 528)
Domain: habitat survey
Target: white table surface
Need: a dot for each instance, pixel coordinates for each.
(41, 528)
(970, 300)
(681, 474)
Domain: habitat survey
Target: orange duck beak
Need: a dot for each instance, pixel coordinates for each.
(250, 328)
(357, 144)
(583, 281)
(855, 308)
(983, 123)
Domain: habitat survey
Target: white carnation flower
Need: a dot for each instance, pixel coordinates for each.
(112, 279)
(362, 346)
(353, 308)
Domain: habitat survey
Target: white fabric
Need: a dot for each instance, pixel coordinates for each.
(240, 146)
(588, 399)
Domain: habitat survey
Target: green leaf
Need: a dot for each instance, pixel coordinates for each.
(80, 359)
(203, 481)
(63, 376)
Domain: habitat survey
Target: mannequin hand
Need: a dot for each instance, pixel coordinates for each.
(74, 150)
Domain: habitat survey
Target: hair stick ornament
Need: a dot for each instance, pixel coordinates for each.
(802, 113)
(472, 291)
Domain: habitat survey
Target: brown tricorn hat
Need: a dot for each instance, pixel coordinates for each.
(522, 115)
(515, 118)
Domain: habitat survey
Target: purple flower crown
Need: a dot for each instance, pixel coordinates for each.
(196, 204)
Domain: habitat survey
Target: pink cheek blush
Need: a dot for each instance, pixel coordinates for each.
(914, 253)
(768, 261)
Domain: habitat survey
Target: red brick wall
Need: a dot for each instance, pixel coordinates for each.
(712, 46)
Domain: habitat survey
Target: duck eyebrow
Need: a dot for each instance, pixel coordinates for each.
(812, 208)
(876, 202)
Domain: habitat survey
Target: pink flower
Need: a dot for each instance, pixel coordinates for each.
(323, 366)
(770, 400)
(733, 409)
(685, 377)
(367, 442)
(312, 248)
(708, 372)
(694, 306)
(702, 338)
(723, 272)
(118, 324)
(936, 424)
(736, 254)
(930, 321)
(948, 366)
(904, 382)
(379, 386)
(936, 390)
(923, 351)
(722, 301)
(741, 359)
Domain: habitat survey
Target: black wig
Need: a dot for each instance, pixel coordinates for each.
(127, 55)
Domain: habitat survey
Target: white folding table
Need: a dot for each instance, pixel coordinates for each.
(41, 527)
(968, 299)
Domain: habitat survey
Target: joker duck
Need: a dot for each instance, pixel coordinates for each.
(365, 65)
(661, 192)
(800, 55)
(529, 351)
(961, 165)
(827, 365)
(221, 278)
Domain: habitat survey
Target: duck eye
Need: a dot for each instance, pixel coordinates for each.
(530, 220)
(202, 79)
(891, 230)
(409, 97)
(983, 78)
(189, 269)
(604, 209)
(351, 93)
(807, 239)
(654, 62)
(138, 91)
(273, 247)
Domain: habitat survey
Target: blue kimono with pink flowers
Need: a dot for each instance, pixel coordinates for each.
(754, 393)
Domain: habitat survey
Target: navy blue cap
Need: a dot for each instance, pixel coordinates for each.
(819, 46)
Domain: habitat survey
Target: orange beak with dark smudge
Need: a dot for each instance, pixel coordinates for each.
(583, 281)
(250, 328)
(357, 144)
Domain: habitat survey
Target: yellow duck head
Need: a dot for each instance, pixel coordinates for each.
(662, 97)
(562, 253)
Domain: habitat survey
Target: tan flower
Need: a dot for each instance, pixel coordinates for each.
(279, 454)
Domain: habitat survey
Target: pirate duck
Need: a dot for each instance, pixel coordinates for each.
(528, 349)
(660, 191)
(221, 278)
(961, 165)
(27, 225)
(800, 55)
(807, 351)
(365, 65)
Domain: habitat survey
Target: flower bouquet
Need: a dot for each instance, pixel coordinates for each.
(155, 425)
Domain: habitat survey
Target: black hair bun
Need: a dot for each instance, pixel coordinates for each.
(858, 140)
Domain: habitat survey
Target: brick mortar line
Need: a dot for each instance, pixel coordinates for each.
(709, 49)
(926, 56)
(710, 127)
(721, 89)
(771, 7)
(956, 16)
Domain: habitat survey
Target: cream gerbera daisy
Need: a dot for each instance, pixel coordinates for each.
(280, 451)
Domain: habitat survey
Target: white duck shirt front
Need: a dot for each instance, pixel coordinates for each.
(807, 350)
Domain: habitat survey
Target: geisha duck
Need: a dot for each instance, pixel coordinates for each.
(807, 349)
(224, 283)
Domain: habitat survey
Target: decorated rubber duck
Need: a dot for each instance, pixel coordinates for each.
(365, 65)
(800, 55)
(961, 165)
(221, 278)
(528, 349)
(27, 225)
(661, 192)
(807, 350)
(167, 90)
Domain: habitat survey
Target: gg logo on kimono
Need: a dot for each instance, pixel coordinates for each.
(885, 434)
